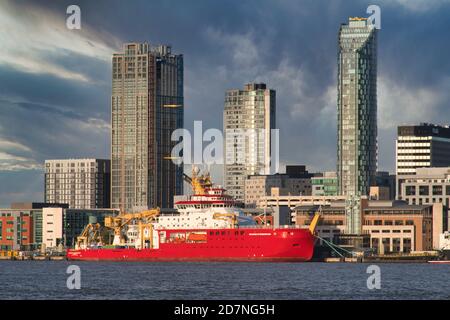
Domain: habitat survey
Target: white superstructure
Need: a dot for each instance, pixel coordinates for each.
(214, 209)
(444, 241)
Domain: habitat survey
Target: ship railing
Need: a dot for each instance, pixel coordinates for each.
(170, 215)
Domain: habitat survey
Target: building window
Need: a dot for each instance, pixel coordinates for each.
(386, 245)
(406, 245)
(437, 190)
(410, 190)
(447, 190)
(396, 244)
(424, 190)
(375, 243)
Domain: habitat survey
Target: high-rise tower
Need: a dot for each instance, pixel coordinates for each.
(248, 117)
(357, 107)
(146, 106)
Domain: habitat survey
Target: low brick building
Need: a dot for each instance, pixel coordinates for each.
(27, 226)
(16, 229)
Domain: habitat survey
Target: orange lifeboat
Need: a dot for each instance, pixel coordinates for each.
(197, 237)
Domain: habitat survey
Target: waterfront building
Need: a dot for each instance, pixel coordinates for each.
(428, 186)
(324, 184)
(296, 181)
(393, 226)
(248, 117)
(357, 109)
(281, 203)
(420, 146)
(398, 227)
(16, 229)
(21, 225)
(52, 227)
(28, 226)
(81, 183)
(147, 105)
(63, 226)
(277, 201)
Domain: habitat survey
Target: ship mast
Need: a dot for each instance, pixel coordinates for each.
(199, 182)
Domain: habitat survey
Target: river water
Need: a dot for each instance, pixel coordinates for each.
(120, 280)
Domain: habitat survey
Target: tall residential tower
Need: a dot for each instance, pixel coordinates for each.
(248, 117)
(146, 106)
(81, 183)
(357, 107)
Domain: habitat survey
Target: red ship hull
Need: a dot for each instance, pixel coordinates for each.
(245, 244)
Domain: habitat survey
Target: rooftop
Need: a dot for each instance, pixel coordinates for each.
(372, 205)
(424, 130)
(357, 22)
(75, 159)
(435, 172)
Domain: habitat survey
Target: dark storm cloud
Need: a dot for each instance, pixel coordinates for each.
(290, 45)
(78, 97)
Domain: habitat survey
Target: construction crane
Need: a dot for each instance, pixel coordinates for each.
(187, 178)
(92, 234)
(117, 223)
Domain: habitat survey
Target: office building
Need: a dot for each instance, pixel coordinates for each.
(63, 226)
(357, 107)
(16, 229)
(146, 106)
(379, 193)
(426, 186)
(297, 171)
(386, 180)
(21, 225)
(324, 184)
(248, 117)
(392, 226)
(275, 200)
(30, 226)
(420, 146)
(81, 183)
(296, 181)
(429, 186)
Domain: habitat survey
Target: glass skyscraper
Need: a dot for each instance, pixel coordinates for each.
(357, 107)
(146, 106)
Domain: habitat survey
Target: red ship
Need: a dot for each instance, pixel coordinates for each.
(207, 226)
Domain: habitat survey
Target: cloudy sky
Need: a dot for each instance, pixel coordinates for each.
(55, 83)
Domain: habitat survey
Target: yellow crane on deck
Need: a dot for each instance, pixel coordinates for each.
(199, 182)
(117, 223)
(315, 221)
(92, 234)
